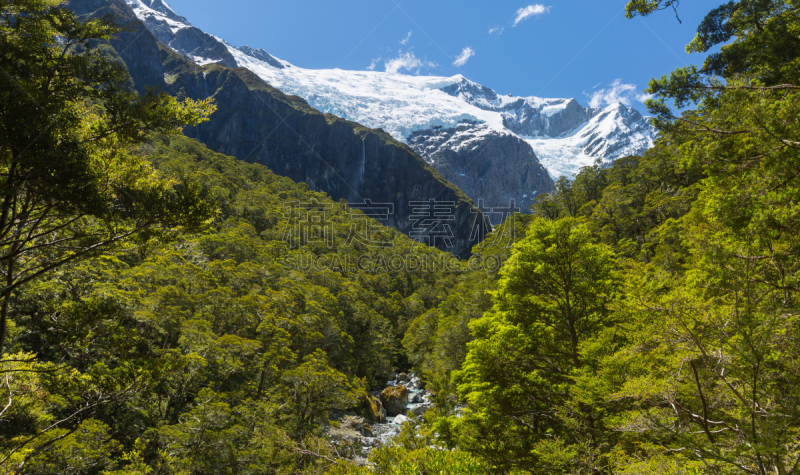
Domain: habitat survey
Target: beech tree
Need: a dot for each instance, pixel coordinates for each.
(69, 184)
(527, 376)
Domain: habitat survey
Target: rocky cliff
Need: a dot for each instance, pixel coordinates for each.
(498, 169)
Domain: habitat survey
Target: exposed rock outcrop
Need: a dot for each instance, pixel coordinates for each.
(498, 168)
(262, 55)
(355, 423)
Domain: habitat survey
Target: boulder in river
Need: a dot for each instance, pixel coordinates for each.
(395, 400)
(372, 409)
(400, 419)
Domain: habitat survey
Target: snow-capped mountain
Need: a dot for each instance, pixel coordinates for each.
(176, 32)
(494, 147)
(564, 135)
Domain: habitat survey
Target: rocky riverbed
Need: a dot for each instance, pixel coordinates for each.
(382, 413)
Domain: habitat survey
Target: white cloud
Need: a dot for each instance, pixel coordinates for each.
(407, 61)
(529, 11)
(408, 38)
(643, 97)
(374, 63)
(616, 92)
(462, 59)
(497, 29)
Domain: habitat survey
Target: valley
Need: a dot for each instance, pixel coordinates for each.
(214, 261)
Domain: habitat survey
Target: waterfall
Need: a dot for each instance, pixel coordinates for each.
(363, 162)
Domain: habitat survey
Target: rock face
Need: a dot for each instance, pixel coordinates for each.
(564, 135)
(355, 423)
(257, 123)
(395, 400)
(261, 55)
(499, 168)
(138, 50)
(525, 116)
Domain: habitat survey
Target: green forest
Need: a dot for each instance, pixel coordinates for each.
(155, 319)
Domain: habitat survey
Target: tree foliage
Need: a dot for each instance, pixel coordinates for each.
(213, 350)
(534, 354)
(69, 185)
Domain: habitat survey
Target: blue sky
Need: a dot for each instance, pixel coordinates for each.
(560, 48)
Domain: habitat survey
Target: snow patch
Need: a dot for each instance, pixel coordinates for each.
(552, 109)
(613, 133)
(143, 9)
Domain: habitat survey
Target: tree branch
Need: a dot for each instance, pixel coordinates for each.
(9, 398)
(703, 400)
